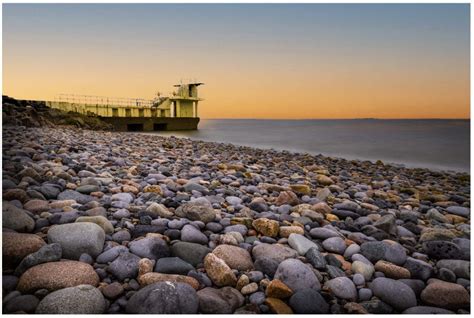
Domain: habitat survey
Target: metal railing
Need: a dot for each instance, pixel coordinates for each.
(103, 100)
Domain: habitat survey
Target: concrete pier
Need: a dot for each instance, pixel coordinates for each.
(153, 123)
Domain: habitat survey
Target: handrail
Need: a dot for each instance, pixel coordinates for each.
(103, 100)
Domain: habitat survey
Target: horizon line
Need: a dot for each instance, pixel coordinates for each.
(361, 118)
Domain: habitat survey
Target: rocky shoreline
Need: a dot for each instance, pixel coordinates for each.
(105, 222)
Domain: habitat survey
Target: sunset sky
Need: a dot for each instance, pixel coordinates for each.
(256, 60)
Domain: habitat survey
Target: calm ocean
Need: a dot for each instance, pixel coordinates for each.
(434, 144)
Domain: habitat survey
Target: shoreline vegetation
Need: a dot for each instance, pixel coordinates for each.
(112, 222)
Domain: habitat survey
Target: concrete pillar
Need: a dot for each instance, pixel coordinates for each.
(178, 108)
(197, 115)
(194, 109)
(172, 109)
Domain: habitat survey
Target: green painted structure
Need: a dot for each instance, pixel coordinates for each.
(179, 111)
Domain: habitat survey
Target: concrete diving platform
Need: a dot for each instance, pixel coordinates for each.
(178, 111)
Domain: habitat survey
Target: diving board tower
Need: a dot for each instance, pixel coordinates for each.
(184, 101)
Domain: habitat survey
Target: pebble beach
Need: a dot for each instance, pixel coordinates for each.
(98, 222)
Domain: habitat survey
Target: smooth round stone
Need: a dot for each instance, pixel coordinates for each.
(150, 247)
(76, 196)
(416, 285)
(173, 234)
(57, 275)
(202, 278)
(395, 293)
(351, 250)
(86, 258)
(82, 299)
(300, 243)
(364, 269)
(240, 228)
(334, 245)
(465, 247)
(235, 257)
(249, 289)
(445, 295)
(308, 301)
(266, 265)
(296, 275)
(276, 252)
(122, 197)
(173, 265)
(315, 258)
(197, 210)
(395, 253)
(112, 291)
(164, 298)
(365, 294)
(219, 301)
(121, 214)
(255, 276)
(78, 238)
(87, 189)
(23, 303)
(190, 252)
(176, 224)
(9, 282)
(442, 250)
(189, 233)
(322, 233)
(460, 267)
(459, 210)
(111, 254)
(15, 246)
(358, 279)
(257, 298)
(47, 253)
(427, 310)
(160, 222)
(214, 227)
(447, 275)
(99, 220)
(233, 200)
(342, 287)
(373, 251)
(124, 266)
(36, 206)
(120, 236)
(16, 219)
(418, 268)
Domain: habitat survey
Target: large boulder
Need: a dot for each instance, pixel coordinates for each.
(78, 238)
(78, 300)
(16, 246)
(164, 298)
(57, 275)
